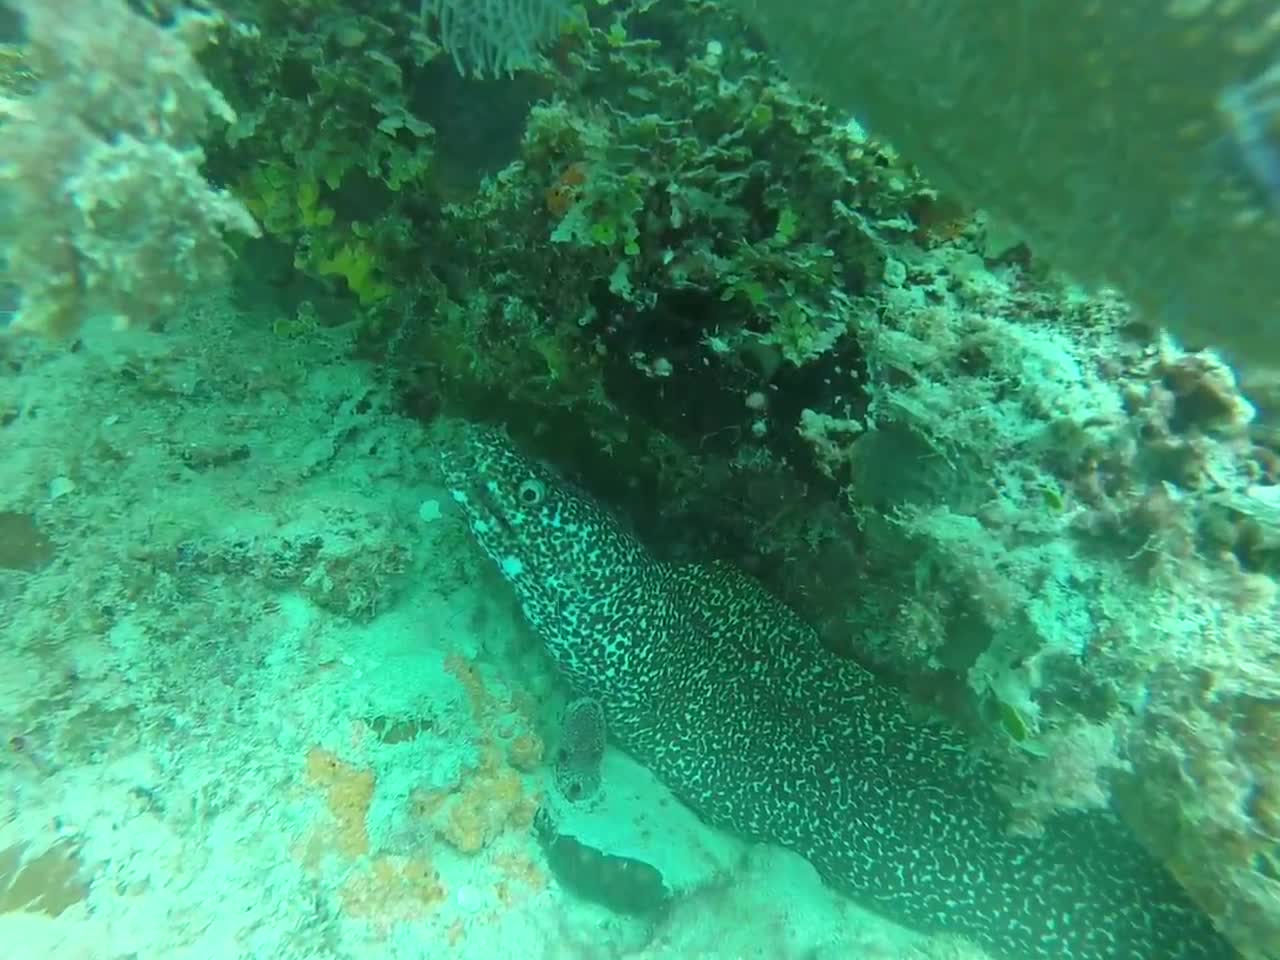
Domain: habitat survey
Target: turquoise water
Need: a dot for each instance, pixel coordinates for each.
(506, 479)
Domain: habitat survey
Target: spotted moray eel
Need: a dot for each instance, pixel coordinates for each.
(728, 697)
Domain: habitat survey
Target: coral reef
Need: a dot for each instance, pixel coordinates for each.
(753, 313)
(330, 152)
(1002, 112)
(493, 37)
(751, 328)
(107, 211)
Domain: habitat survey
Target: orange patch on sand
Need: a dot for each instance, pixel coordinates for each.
(349, 791)
(393, 889)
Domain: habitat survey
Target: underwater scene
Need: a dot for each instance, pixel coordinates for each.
(647, 479)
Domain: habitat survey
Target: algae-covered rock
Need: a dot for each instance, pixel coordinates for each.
(1131, 143)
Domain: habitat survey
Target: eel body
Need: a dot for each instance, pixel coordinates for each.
(733, 702)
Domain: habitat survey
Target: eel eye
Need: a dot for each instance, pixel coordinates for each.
(531, 492)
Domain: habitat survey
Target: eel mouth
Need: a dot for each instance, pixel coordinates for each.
(468, 473)
(483, 500)
(462, 466)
